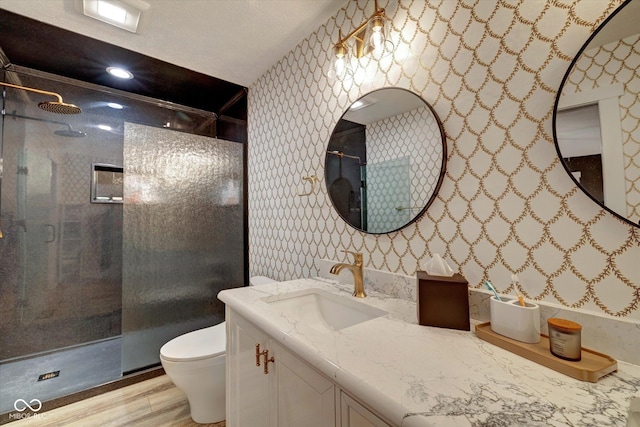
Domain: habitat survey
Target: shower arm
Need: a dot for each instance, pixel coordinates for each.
(18, 116)
(30, 89)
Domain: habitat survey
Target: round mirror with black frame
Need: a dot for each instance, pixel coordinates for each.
(385, 160)
(596, 120)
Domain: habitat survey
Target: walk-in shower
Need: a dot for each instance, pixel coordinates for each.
(119, 230)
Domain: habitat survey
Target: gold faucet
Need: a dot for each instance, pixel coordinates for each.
(356, 270)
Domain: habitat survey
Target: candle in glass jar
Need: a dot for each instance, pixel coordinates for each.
(565, 338)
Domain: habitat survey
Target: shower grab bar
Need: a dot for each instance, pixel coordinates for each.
(341, 155)
(407, 208)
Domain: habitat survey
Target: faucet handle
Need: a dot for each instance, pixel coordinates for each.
(357, 257)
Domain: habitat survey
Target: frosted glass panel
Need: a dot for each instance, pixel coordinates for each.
(182, 236)
(388, 195)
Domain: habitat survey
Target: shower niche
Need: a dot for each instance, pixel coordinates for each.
(107, 183)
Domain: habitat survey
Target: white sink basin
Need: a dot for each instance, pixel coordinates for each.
(322, 309)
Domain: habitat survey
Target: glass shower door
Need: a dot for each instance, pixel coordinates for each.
(388, 194)
(36, 177)
(60, 256)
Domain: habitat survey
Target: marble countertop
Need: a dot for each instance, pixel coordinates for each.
(424, 376)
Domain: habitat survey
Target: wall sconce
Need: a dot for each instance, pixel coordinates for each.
(369, 38)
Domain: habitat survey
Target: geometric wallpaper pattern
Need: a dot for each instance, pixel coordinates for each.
(617, 62)
(491, 70)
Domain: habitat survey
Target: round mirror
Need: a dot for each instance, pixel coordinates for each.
(385, 160)
(596, 122)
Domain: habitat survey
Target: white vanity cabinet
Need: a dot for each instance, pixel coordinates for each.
(248, 389)
(353, 414)
(289, 394)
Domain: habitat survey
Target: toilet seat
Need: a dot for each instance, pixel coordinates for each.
(260, 280)
(196, 345)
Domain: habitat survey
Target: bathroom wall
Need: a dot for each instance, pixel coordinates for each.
(491, 70)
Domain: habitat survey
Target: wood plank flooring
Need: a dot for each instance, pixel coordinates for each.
(151, 403)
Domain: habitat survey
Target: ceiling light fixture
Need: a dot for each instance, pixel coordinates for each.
(120, 72)
(123, 14)
(370, 38)
(362, 103)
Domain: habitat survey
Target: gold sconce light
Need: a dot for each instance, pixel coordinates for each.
(369, 38)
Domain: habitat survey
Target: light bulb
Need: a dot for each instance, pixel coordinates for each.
(378, 44)
(377, 40)
(339, 66)
(120, 73)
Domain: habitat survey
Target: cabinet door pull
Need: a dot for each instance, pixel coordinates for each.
(258, 354)
(267, 359)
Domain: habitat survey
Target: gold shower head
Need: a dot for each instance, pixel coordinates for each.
(58, 107)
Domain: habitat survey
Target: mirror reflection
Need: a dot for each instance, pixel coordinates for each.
(597, 117)
(385, 160)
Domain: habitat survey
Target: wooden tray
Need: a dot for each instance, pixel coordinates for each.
(591, 367)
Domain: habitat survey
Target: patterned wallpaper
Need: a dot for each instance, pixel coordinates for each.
(491, 70)
(617, 62)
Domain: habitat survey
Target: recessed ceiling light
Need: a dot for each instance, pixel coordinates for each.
(115, 105)
(356, 105)
(123, 14)
(112, 12)
(120, 72)
(362, 103)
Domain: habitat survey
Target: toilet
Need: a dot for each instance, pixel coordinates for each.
(195, 363)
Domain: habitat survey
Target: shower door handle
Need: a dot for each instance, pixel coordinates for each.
(52, 233)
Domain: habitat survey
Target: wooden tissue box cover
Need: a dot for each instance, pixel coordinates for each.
(443, 301)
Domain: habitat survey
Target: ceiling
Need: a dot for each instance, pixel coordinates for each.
(233, 40)
(620, 26)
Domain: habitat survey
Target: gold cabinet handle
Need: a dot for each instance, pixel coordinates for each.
(258, 354)
(267, 359)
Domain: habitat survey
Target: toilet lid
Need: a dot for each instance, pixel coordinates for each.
(196, 345)
(260, 280)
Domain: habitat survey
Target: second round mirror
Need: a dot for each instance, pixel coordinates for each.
(385, 160)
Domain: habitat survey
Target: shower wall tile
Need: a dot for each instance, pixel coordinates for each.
(491, 70)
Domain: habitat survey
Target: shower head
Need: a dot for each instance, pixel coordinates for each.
(70, 133)
(58, 107)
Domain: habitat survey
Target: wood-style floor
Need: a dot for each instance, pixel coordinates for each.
(151, 403)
